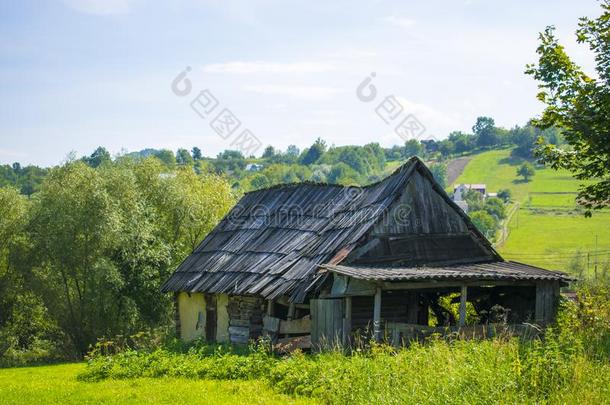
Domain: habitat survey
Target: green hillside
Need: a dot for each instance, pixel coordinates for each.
(548, 229)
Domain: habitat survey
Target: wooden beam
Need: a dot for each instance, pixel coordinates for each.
(270, 308)
(302, 325)
(287, 345)
(347, 321)
(463, 298)
(291, 308)
(377, 315)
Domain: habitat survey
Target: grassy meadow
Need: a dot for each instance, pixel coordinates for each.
(548, 230)
(568, 366)
(58, 384)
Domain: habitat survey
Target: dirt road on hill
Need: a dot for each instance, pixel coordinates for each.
(455, 167)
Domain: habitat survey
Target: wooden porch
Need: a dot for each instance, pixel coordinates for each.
(359, 304)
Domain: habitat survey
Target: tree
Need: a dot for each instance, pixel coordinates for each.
(184, 158)
(439, 171)
(484, 223)
(475, 200)
(167, 157)
(196, 152)
(446, 147)
(462, 142)
(495, 207)
(505, 195)
(30, 179)
(259, 181)
(430, 146)
(485, 131)
(413, 148)
(13, 220)
(231, 155)
(229, 161)
(292, 151)
(374, 155)
(103, 240)
(269, 152)
(394, 153)
(314, 153)
(525, 139)
(526, 170)
(74, 224)
(352, 157)
(98, 157)
(579, 104)
(342, 174)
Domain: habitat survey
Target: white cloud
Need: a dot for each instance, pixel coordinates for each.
(100, 7)
(431, 118)
(266, 67)
(300, 92)
(401, 22)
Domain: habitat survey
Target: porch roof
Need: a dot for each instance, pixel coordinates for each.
(505, 271)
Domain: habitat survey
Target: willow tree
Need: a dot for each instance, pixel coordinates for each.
(105, 239)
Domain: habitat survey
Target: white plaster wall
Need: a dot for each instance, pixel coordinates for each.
(191, 309)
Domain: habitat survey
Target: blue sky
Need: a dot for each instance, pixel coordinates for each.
(77, 74)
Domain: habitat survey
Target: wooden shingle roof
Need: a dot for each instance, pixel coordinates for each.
(273, 241)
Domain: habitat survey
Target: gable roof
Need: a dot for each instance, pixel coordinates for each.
(273, 241)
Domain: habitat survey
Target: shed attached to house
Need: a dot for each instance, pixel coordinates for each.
(318, 262)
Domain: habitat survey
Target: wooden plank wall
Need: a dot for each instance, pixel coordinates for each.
(326, 323)
(547, 296)
(421, 210)
(421, 227)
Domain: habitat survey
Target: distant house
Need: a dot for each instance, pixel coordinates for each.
(253, 167)
(458, 197)
(481, 188)
(313, 263)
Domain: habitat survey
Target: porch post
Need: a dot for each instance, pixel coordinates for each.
(270, 308)
(291, 309)
(377, 315)
(347, 321)
(463, 298)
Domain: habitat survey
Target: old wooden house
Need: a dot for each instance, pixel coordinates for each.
(319, 262)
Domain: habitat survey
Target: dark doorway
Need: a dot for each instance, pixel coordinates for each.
(210, 317)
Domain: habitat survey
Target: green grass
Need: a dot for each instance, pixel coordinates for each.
(548, 230)
(57, 384)
(570, 365)
(498, 170)
(551, 241)
(551, 200)
(391, 166)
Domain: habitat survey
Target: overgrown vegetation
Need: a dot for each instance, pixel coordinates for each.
(85, 255)
(569, 365)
